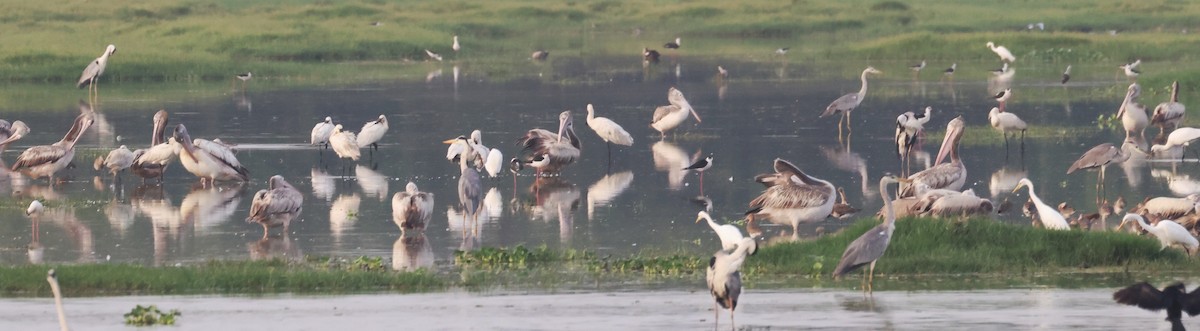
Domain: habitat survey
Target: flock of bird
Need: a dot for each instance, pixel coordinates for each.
(791, 197)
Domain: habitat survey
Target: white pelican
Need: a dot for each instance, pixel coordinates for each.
(669, 117)
(344, 144)
(1175, 144)
(456, 47)
(724, 279)
(796, 198)
(1006, 122)
(1169, 207)
(1099, 157)
(1169, 113)
(433, 55)
(557, 150)
(94, 69)
(321, 132)
(870, 246)
(1002, 52)
(119, 159)
(908, 128)
(847, 103)
(1066, 76)
(52, 278)
(1131, 72)
(412, 208)
(153, 161)
(1050, 217)
(728, 233)
(372, 131)
(277, 205)
(46, 160)
(609, 131)
(1133, 114)
(950, 175)
(494, 160)
(649, 56)
(1169, 233)
(208, 160)
(673, 44)
(10, 132)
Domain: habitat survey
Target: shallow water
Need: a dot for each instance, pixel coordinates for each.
(1012, 309)
(638, 201)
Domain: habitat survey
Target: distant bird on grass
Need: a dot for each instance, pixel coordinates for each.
(1002, 52)
(672, 44)
(950, 71)
(1066, 74)
(433, 55)
(916, 68)
(539, 55)
(782, 51)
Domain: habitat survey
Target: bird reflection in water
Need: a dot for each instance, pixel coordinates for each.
(847, 160)
(343, 214)
(275, 247)
(120, 215)
(323, 185)
(77, 232)
(556, 199)
(861, 303)
(373, 183)
(671, 159)
(412, 252)
(166, 222)
(206, 208)
(609, 187)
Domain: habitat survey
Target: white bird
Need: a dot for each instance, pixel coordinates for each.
(916, 68)
(549, 151)
(152, 162)
(433, 55)
(1002, 52)
(847, 103)
(728, 233)
(208, 160)
(669, 117)
(52, 278)
(494, 163)
(782, 51)
(344, 144)
(609, 131)
(1169, 233)
(950, 175)
(1175, 144)
(412, 208)
(908, 128)
(1133, 115)
(277, 205)
(119, 159)
(46, 160)
(1169, 113)
(372, 132)
(10, 132)
(456, 47)
(1131, 72)
(321, 132)
(94, 69)
(1049, 216)
(724, 279)
(1006, 122)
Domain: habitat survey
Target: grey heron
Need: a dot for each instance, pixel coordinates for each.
(870, 246)
(119, 159)
(724, 278)
(667, 118)
(792, 196)
(729, 234)
(557, 150)
(372, 132)
(1002, 52)
(1049, 217)
(672, 44)
(321, 132)
(1066, 76)
(91, 74)
(412, 209)
(1168, 232)
(52, 278)
(609, 131)
(847, 103)
(470, 188)
(1099, 157)
(1175, 143)
(909, 126)
(950, 175)
(1170, 113)
(46, 160)
(1006, 122)
(276, 206)
(1174, 298)
(153, 161)
(1133, 115)
(208, 160)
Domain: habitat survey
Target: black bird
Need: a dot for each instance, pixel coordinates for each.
(672, 45)
(700, 166)
(950, 71)
(1066, 74)
(650, 55)
(1173, 298)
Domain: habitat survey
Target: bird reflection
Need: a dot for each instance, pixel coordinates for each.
(205, 208)
(1133, 166)
(433, 75)
(862, 304)
(1005, 180)
(606, 189)
(120, 215)
(465, 229)
(373, 184)
(343, 213)
(1179, 184)
(410, 253)
(275, 247)
(556, 199)
(493, 204)
(323, 185)
(79, 234)
(847, 160)
(242, 102)
(165, 220)
(671, 159)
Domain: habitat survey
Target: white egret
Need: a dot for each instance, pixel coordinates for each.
(1168, 232)
(609, 131)
(728, 233)
(1002, 52)
(1050, 217)
(1006, 122)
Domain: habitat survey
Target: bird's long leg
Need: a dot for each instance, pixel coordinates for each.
(716, 315)
(871, 278)
(701, 183)
(848, 129)
(732, 324)
(843, 118)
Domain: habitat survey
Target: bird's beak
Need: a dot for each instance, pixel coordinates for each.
(694, 114)
(450, 141)
(698, 218)
(947, 144)
(1019, 186)
(903, 180)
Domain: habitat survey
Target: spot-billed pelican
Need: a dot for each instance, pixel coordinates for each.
(1006, 122)
(1050, 217)
(793, 197)
(372, 131)
(94, 69)
(277, 205)
(344, 144)
(557, 149)
(609, 131)
(433, 55)
(10, 132)
(847, 103)
(1168, 232)
(1133, 114)
(950, 175)
(870, 246)
(1002, 52)
(1176, 142)
(1175, 299)
(909, 126)
(667, 118)
(208, 160)
(1169, 113)
(539, 55)
(724, 279)
(456, 47)
(1099, 157)
(46, 160)
(321, 132)
(1002, 97)
(412, 208)
(728, 233)
(52, 278)
(119, 159)
(946, 203)
(1169, 207)
(153, 161)
(1066, 76)
(649, 56)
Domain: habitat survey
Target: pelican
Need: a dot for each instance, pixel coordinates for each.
(847, 103)
(1175, 299)
(724, 279)
(945, 203)
(321, 132)
(950, 175)
(1175, 144)
(1169, 113)
(908, 127)
(433, 55)
(557, 150)
(1006, 122)
(1002, 97)
(95, 69)
(456, 47)
(1066, 76)
(1131, 72)
(46, 160)
(277, 205)
(1099, 157)
(729, 234)
(649, 56)
(1169, 207)
(609, 131)
(1002, 52)
(10, 132)
(794, 198)
(412, 208)
(1050, 217)
(870, 246)
(373, 131)
(667, 118)
(916, 68)
(1133, 114)
(1168, 233)
(539, 55)
(950, 71)
(52, 278)
(344, 144)
(119, 159)
(153, 161)
(208, 160)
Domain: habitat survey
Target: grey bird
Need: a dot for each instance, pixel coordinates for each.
(724, 278)
(277, 205)
(870, 246)
(846, 103)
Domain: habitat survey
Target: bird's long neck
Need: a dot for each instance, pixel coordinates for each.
(712, 224)
(862, 92)
(1033, 195)
(62, 316)
(890, 221)
(157, 134)
(1175, 92)
(1145, 226)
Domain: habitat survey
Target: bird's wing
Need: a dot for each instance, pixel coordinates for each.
(1097, 156)
(1143, 295)
(222, 154)
(846, 102)
(791, 197)
(937, 177)
(733, 289)
(662, 111)
(868, 247)
(1191, 302)
(39, 155)
(89, 73)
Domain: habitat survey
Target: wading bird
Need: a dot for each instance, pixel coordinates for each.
(950, 175)
(277, 205)
(946, 203)
(208, 160)
(672, 44)
(1066, 76)
(701, 166)
(1169, 113)
(412, 209)
(539, 55)
(782, 51)
(1169, 207)
(649, 56)
(792, 197)
(344, 144)
(724, 279)
(556, 150)
(916, 68)
(870, 246)
(91, 74)
(244, 78)
(1006, 122)
(667, 118)
(470, 189)
(1002, 97)
(153, 161)
(949, 72)
(847, 103)
(321, 132)
(1133, 115)
(1131, 72)
(119, 159)
(609, 131)
(456, 47)
(372, 132)
(728, 233)
(10, 132)
(1099, 157)
(433, 55)
(1051, 218)
(1168, 232)
(909, 127)
(46, 160)
(1175, 299)
(1002, 52)
(52, 278)
(1175, 143)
